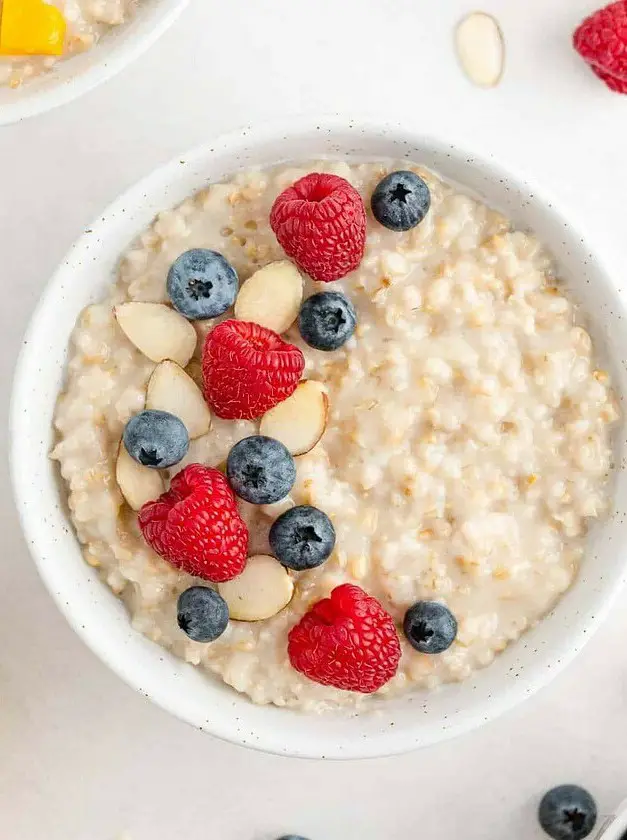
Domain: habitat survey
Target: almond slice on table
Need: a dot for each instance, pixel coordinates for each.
(271, 297)
(262, 590)
(137, 484)
(171, 389)
(300, 420)
(480, 49)
(157, 331)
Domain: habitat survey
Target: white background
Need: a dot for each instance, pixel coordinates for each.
(81, 756)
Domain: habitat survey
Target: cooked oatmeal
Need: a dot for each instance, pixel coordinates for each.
(86, 22)
(466, 452)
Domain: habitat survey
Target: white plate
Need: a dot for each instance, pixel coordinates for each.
(99, 618)
(74, 76)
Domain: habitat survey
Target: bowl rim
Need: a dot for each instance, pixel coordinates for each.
(242, 139)
(614, 826)
(162, 15)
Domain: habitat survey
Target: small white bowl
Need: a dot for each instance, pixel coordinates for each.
(74, 76)
(100, 619)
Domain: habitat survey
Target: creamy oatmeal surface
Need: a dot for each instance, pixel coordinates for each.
(86, 21)
(466, 453)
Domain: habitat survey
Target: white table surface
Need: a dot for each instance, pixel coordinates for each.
(81, 756)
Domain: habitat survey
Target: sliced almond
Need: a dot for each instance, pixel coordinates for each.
(262, 590)
(300, 420)
(274, 510)
(137, 484)
(480, 49)
(158, 331)
(271, 297)
(171, 389)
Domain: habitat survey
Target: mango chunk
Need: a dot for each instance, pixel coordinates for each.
(31, 27)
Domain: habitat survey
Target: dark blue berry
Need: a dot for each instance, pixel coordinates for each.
(202, 613)
(430, 627)
(202, 284)
(327, 320)
(292, 837)
(260, 470)
(400, 201)
(302, 538)
(156, 439)
(567, 812)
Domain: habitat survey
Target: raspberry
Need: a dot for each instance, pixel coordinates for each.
(248, 369)
(320, 222)
(196, 525)
(347, 641)
(601, 40)
(613, 82)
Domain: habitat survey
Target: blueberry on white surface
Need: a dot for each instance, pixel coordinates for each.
(567, 812)
(400, 201)
(430, 627)
(292, 837)
(202, 284)
(327, 320)
(302, 538)
(260, 470)
(202, 614)
(156, 439)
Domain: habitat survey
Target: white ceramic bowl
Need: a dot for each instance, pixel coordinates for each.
(615, 826)
(99, 618)
(79, 74)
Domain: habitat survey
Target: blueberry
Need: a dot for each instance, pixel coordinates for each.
(430, 627)
(202, 284)
(260, 470)
(156, 439)
(327, 320)
(202, 613)
(292, 837)
(400, 201)
(302, 538)
(567, 812)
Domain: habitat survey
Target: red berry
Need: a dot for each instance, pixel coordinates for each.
(320, 222)
(602, 41)
(613, 82)
(196, 525)
(347, 641)
(248, 369)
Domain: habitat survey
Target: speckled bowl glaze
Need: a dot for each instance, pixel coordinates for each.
(100, 619)
(81, 73)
